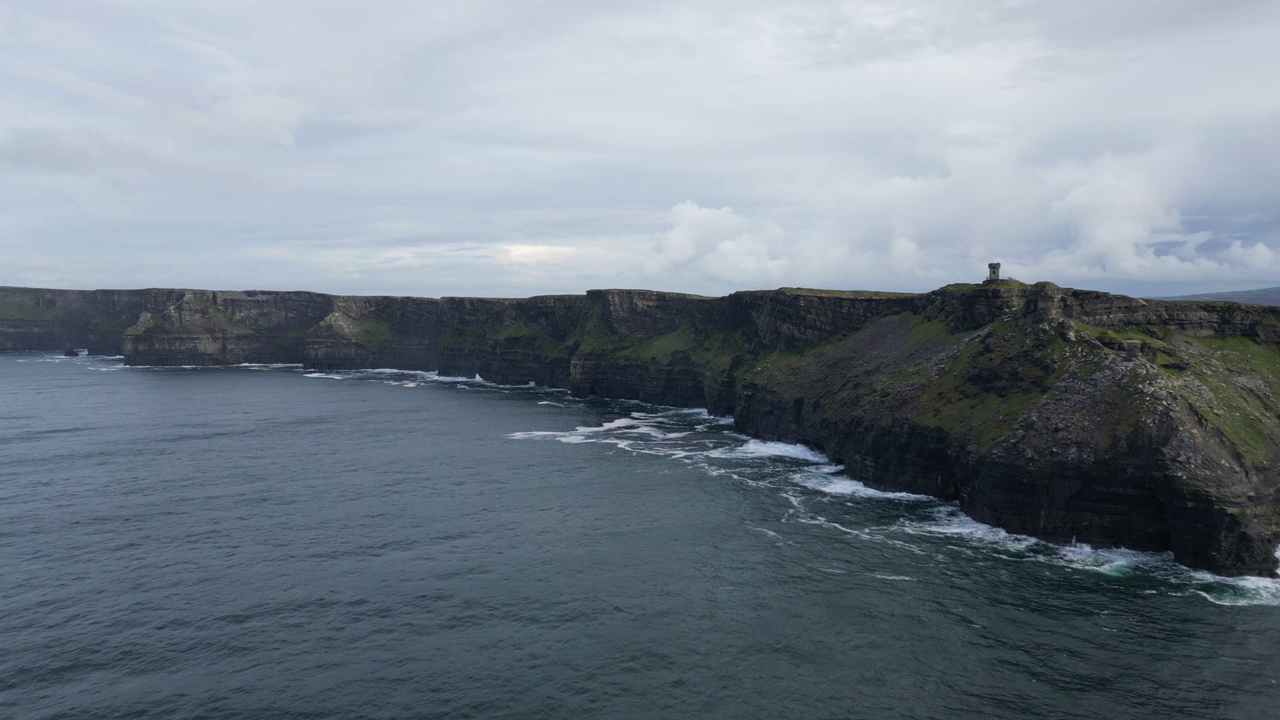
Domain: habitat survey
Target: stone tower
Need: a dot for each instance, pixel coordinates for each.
(993, 272)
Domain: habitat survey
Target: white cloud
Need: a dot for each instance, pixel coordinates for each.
(720, 244)
(1121, 228)
(504, 147)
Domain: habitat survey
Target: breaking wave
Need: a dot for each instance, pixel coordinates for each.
(817, 492)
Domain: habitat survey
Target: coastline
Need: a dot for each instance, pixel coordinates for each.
(1054, 413)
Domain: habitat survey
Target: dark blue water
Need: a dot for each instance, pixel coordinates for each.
(265, 543)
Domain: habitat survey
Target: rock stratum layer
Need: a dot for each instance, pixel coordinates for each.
(1064, 414)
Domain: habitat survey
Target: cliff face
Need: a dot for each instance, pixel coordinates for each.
(226, 328)
(34, 319)
(1063, 414)
(1129, 432)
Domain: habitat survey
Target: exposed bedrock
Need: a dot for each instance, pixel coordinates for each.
(1063, 414)
(37, 319)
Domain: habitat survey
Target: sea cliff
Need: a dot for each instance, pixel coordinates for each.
(1059, 413)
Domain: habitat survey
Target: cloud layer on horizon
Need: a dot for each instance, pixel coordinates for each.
(500, 147)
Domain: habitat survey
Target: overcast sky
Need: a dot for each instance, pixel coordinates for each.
(517, 147)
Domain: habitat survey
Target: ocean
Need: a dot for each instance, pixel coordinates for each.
(266, 542)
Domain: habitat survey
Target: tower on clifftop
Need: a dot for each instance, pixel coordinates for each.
(993, 272)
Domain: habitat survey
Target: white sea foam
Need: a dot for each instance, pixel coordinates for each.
(949, 521)
(823, 522)
(1112, 561)
(768, 464)
(1109, 561)
(419, 375)
(573, 439)
(625, 422)
(535, 434)
(827, 479)
(1237, 590)
(451, 378)
(768, 448)
(399, 375)
(326, 376)
(676, 412)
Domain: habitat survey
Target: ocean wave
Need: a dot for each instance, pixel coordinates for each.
(828, 479)
(706, 442)
(1236, 591)
(949, 521)
(770, 448)
(623, 432)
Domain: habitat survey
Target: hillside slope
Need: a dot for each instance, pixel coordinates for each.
(1261, 296)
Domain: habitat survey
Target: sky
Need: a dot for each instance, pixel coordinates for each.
(519, 147)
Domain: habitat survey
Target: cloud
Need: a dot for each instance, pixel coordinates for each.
(1121, 228)
(504, 147)
(718, 244)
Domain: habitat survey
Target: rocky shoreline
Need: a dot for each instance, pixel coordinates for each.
(1058, 413)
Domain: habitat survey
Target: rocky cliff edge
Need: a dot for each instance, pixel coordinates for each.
(1065, 414)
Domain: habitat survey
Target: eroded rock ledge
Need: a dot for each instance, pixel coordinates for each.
(1059, 413)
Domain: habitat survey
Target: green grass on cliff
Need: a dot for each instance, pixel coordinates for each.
(1241, 378)
(225, 324)
(215, 316)
(371, 333)
(980, 386)
(716, 351)
(859, 294)
(973, 384)
(23, 311)
(986, 386)
(1229, 381)
(97, 320)
(530, 333)
(488, 338)
(970, 288)
(662, 347)
(1116, 336)
(108, 324)
(927, 330)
